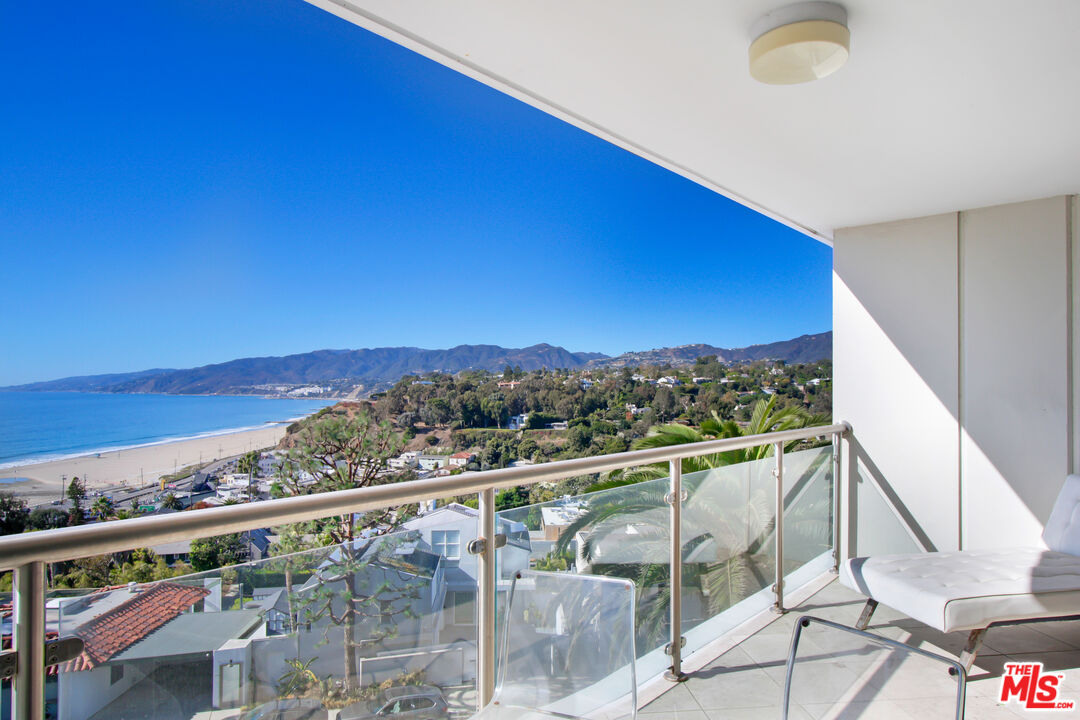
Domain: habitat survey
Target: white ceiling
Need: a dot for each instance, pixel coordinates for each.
(944, 104)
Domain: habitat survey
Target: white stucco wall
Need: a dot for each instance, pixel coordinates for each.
(83, 693)
(895, 350)
(955, 359)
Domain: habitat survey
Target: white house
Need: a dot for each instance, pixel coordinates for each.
(518, 422)
(461, 459)
(404, 460)
(448, 532)
(432, 462)
(555, 518)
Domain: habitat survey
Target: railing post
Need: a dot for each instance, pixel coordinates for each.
(674, 499)
(837, 508)
(486, 597)
(28, 696)
(778, 471)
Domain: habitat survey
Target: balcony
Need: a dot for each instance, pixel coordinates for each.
(416, 604)
(717, 553)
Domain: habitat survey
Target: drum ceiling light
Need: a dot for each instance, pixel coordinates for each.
(799, 43)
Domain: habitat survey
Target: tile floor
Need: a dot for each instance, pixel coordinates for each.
(840, 676)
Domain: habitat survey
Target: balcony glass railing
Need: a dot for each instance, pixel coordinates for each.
(331, 628)
(338, 626)
(728, 540)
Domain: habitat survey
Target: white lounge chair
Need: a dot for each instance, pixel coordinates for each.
(975, 589)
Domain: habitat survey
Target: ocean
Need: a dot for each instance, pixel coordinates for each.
(40, 426)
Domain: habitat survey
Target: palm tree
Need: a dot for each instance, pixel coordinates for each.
(766, 418)
(726, 525)
(103, 507)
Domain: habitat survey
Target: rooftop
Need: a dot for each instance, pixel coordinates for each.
(120, 627)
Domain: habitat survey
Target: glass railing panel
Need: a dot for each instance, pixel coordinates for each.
(567, 648)
(726, 523)
(729, 538)
(320, 631)
(621, 532)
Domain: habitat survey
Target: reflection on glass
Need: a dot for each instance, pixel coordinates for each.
(728, 542)
(567, 649)
(339, 628)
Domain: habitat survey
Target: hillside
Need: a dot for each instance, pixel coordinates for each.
(332, 368)
(803, 349)
(91, 383)
(340, 372)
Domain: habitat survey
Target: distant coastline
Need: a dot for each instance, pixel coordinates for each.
(128, 469)
(94, 452)
(38, 427)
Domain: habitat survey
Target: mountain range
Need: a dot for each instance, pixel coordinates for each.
(344, 371)
(803, 349)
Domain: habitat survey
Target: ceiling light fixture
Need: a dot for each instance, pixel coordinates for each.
(799, 43)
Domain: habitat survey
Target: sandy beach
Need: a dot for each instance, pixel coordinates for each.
(142, 465)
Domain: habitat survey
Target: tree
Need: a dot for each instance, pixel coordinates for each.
(171, 502)
(339, 451)
(14, 515)
(90, 572)
(287, 556)
(664, 402)
(765, 418)
(48, 518)
(103, 507)
(76, 493)
(363, 580)
(216, 552)
(248, 464)
(494, 407)
(145, 566)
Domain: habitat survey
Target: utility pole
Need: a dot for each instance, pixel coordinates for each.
(63, 488)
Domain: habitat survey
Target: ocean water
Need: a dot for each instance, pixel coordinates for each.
(39, 426)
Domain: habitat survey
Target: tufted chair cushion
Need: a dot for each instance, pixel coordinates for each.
(970, 589)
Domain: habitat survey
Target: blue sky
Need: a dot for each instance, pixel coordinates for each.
(189, 181)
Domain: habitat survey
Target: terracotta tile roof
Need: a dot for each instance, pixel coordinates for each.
(111, 632)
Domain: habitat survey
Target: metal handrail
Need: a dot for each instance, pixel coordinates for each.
(118, 535)
(28, 553)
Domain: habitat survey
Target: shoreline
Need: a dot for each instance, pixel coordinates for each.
(9, 466)
(128, 468)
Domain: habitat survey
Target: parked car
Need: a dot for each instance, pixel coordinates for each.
(415, 702)
(288, 709)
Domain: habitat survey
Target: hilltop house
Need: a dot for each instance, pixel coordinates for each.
(404, 460)
(518, 422)
(555, 518)
(432, 462)
(461, 459)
